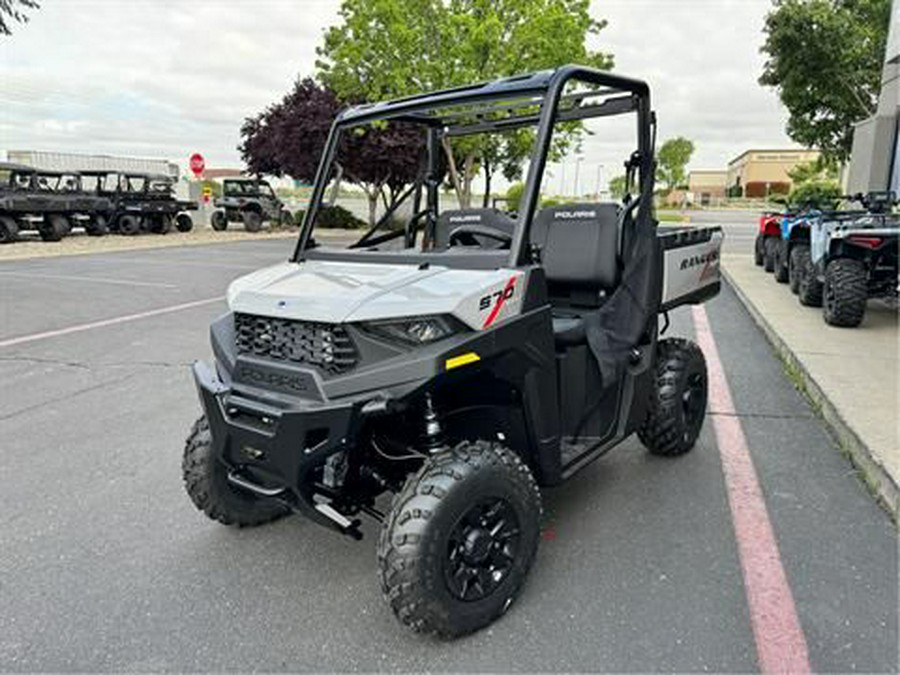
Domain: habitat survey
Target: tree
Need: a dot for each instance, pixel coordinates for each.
(672, 159)
(617, 187)
(824, 57)
(392, 48)
(14, 10)
(288, 138)
(819, 169)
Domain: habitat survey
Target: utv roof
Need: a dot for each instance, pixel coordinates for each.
(507, 95)
(12, 166)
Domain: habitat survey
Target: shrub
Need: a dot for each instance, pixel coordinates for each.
(339, 218)
(823, 194)
(299, 214)
(514, 196)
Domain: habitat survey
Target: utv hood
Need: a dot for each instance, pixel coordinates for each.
(338, 292)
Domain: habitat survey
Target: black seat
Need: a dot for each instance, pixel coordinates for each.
(579, 249)
(451, 219)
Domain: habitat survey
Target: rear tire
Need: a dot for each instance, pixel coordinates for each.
(758, 250)
(54, 227)
(206, 481)
(184, 223)
(845, 293)
(252, 221)
(461, 536)
(678, 401)
(797, 266)
(129, 225)
(769, 253)
(781, 262)
(809, 288)
(218, 221)
(9, 230)
(97, 226)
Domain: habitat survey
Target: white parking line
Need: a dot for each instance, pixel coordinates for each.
(34, 337)
(99, 280)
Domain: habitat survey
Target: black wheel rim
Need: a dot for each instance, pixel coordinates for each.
(693, 403)
(481, 549)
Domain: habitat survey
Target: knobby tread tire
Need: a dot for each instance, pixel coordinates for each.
(758, 250)
(252, 221)
(410, 560)
(797, 266)
(781, 263)
(54, 227)
(184, 223)
(809, 288)
(846, 292)
(206, 483)
(664, 431)
(769, 254)
(9, 230)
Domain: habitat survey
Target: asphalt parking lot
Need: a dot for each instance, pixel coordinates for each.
(105, 564)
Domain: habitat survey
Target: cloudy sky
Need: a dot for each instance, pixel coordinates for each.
(160, 78)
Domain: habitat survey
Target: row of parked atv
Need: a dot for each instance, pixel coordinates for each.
(835, 260)
(52, 203)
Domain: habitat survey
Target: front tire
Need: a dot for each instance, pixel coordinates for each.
(460, 538)
(845, 293)
(218, 221)
(758, 250)
(206, 481)
(129, 225)
(678, 402)
(184, 223)
(54, 227)
(809, 288)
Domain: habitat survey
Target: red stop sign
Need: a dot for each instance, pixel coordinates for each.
(197, 164)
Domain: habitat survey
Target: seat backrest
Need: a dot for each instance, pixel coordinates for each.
(579, 248)
(451, 219)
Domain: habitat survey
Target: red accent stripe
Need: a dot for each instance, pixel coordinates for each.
(496, 310)
(780, 642)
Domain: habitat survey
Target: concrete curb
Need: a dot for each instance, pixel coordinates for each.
(871, 471)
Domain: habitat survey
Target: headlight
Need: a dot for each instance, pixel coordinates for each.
(414, 330)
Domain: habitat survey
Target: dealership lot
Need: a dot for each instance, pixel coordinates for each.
(106, 566)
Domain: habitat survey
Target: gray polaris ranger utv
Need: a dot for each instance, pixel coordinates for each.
(459, 363)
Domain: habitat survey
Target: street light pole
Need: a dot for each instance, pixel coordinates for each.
(597, 191)
(577, 165)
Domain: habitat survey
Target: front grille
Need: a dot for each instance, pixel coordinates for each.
(326, 346)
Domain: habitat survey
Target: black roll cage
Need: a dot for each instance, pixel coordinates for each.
(534, 99)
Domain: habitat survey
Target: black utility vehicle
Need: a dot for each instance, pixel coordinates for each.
(250, 201)
(51, 202)
(457, 363)
(853, 256)
(141, 202)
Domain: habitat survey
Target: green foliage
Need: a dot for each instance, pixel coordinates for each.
(14, 10)
(825, 57)
(388, 48)
(823, 194)
(672, 159)
(299, 215)
(338, 217)
(820, 169)
(514, 196)
(618, 187)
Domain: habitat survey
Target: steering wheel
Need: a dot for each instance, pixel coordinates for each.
(465, 235)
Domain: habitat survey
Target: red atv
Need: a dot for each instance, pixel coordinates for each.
(767, 239)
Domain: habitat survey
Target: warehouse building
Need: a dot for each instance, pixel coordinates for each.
(67, 161)
(707, 186)
(759, 173)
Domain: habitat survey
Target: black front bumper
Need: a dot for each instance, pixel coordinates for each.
(274, 449)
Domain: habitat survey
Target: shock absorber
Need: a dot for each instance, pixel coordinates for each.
(434, 435)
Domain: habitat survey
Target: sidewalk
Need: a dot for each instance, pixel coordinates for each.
(851, 374)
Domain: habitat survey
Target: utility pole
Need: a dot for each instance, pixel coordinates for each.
(577, 166)
(599, 171)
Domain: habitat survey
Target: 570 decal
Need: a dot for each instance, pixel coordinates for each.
(496, 299)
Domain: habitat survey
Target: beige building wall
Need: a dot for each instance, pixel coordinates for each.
(767, 166)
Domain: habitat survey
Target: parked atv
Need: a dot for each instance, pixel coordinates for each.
(787, 249)
(460, 363)
(852, 257)
(50, 202)
(250, 201)
(766, 239)
(141, 202)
